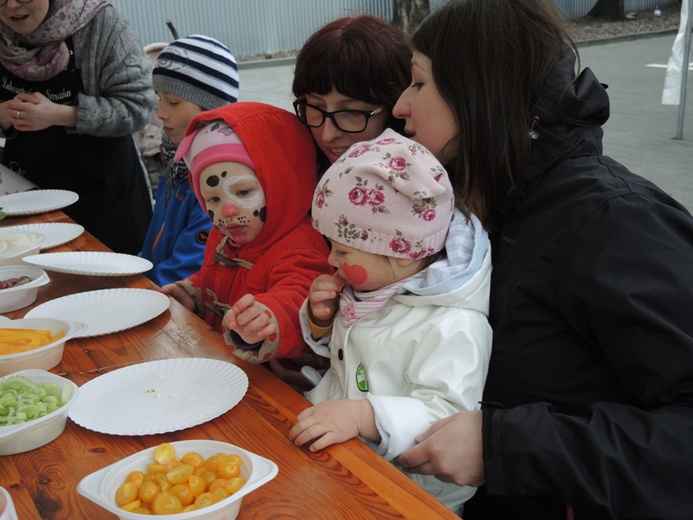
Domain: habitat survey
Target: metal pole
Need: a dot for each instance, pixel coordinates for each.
(684, 69)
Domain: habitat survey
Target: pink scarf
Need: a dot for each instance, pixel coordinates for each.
(42, 54)
(356, 305)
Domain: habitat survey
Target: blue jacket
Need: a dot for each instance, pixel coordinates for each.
(177, 234)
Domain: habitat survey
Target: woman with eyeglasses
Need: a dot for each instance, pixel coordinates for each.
(347, 79)
(74, 85)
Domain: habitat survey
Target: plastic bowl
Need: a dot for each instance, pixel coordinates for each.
(45, 357)
(15, 245)
(33, 434)
(14, 298)
(100, 487)
(7, 510)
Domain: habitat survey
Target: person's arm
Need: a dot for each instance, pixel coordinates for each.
(118, 97)
(291, 271)
(188, 250)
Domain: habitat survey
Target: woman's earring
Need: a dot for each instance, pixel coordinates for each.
(533, 134)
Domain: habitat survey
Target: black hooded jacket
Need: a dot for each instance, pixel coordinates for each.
(588, 405)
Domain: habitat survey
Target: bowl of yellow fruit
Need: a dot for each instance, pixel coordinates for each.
(34, 343)
(33, 409)
(185, 480)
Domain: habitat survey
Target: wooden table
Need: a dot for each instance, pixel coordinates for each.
(347, 481)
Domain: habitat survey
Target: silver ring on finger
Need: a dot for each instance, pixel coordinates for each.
(19, 115)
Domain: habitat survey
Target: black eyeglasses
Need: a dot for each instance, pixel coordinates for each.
(349, 121)
(4, 2)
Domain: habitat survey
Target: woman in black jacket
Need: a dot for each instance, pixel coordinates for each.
(588, 404)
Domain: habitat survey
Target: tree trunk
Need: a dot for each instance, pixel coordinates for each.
(407, 14)
(609, 10)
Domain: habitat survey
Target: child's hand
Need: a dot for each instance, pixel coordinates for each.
(333, 421)
(176, 292)
(249, 320)
(324, 297)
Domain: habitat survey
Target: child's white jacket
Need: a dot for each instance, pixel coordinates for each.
(422, 357)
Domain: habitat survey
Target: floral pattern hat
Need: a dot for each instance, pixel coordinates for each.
(389, 196)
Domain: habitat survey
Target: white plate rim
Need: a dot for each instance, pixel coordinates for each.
(151, 304)
(62, 199)
(87, 410)
(103, 261)
(51, 231)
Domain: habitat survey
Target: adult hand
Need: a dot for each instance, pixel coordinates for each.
(176, 292)
(333, 421)
(451, 449)
(30, 112)
(251, 321)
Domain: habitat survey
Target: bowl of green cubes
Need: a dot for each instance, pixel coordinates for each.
(33, 409)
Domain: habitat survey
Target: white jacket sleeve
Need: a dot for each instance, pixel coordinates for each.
(321, 346)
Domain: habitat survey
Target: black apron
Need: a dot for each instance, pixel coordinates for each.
(114, 202)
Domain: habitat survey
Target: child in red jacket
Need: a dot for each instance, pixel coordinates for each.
(253, 169)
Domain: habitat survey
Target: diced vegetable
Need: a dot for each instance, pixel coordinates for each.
(22, 400)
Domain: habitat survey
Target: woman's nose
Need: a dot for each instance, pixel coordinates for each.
(401, 108)
(230, 210)
(329, 131)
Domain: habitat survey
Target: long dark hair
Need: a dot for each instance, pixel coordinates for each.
(490, 61)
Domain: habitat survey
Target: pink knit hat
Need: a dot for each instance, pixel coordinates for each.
(213, 143)
(389, 196)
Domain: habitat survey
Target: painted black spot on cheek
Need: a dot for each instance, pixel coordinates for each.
(262, 214)
(210, 214)
(224, 174)
(213, 181)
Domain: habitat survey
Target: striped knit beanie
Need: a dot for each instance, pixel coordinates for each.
(198, 69)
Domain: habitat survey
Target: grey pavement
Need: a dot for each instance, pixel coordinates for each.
(640, 132)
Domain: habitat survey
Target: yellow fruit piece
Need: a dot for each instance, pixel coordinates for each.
(135, 504)
(180, 474)
(229, 466)
(220, 494)
(164, 483)
(164, 453)
(193, 458)
(234, 484)
(14, 341)
(126, 493)
(197, 485)
(148, 492)
(136, 477)
(204, 500)
(211, 462)
(166, 504)
(218, 483)
(182, 491)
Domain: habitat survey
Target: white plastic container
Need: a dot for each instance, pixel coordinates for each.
(7, 510)
(20, 296)
(100, 487)
(45, 357)
(18, 438)
(15, 245)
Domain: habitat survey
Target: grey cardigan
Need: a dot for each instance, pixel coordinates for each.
(118, 97)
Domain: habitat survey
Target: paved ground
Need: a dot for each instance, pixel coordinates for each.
(640, 132)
